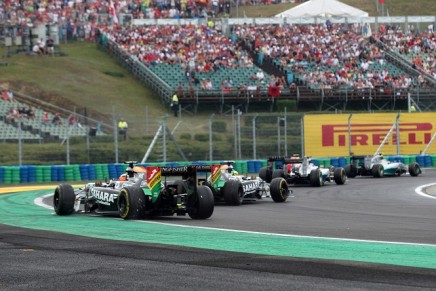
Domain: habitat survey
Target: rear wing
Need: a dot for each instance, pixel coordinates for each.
(288, 160)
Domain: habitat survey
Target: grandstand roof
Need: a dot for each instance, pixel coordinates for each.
(323, 8)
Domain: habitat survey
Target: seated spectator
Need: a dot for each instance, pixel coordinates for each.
(11, 115)
(5, 96)
(30, 114)
(45, 118)
(260, 76)
(57, 119)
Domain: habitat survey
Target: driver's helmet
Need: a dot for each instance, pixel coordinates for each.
(123, 177)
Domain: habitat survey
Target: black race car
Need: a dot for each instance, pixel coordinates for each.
(141, 192)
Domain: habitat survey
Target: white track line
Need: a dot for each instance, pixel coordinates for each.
(420, 191)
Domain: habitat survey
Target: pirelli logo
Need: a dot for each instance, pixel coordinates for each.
(372, 134)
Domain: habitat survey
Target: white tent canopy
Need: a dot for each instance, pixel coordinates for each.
(323, 8)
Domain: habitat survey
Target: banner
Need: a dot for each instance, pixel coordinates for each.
(338, 135)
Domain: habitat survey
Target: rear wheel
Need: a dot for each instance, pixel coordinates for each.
(414, 169)
(233, 192)
(203, 204)
(131, 203)
(63, 199)
(279, 190)
(378, 171)
(339, 176)
(315, 178)
(265, 174)
(350, 171)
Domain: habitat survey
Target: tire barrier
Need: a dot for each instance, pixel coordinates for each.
(100, 172)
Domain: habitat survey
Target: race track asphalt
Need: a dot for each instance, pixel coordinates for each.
(377, 234)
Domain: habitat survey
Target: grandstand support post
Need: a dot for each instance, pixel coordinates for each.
(20, 145)
(285, 135)
(302, 136)
(397, 127)
(278, 136)
(349, 134)
(239, 134)
(210, 138)
(114, 122)
(164, 140)
(254, 137)
(234, 133)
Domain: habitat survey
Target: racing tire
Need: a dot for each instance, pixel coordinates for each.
(378, 171)
(315, 178)
(414, 169)
(339, 176)
(279, 190)
(131, 203)
(351, 171)
(265, 174)
(278, 174)
(233, 192)
(204, 203)
(63, 199)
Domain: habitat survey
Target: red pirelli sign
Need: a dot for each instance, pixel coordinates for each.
(336, 134)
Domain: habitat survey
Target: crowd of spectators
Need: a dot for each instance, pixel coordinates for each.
(418, 47)
(324, 55)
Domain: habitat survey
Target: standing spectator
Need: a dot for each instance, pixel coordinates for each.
(122, 127)
(175, 104)
(50, 45)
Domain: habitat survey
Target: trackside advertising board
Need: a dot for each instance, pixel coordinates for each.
(329, 135)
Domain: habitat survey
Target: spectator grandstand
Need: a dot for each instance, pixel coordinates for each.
(310, 61)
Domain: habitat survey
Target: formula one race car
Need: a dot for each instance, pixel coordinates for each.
(378, 167)
(140, 193)
(233, 189)
(296, 170)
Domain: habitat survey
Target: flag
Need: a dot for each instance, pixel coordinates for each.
(113, 13)
(381, 1)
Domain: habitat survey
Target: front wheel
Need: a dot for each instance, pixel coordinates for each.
(378, 171)
(414, 169)
(203, 204)
(339, 176)
(279, 190)
(63, 199)
(131, 203)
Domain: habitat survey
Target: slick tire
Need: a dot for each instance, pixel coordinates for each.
(279, 190)
(339, 176)
(414, 169)
(351, 171)
(265, 174)
(315, 178)
(378, 171)
(233, 193)
(203, 204)
(131, 203)
(63, 199)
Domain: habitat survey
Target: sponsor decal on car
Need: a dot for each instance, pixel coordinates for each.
(104, 197)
